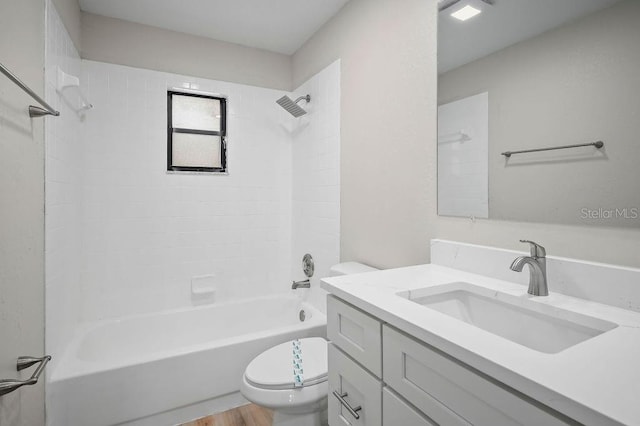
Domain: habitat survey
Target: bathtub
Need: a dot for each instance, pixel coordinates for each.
(130, 369)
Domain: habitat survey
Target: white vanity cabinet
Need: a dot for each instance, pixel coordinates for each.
(354, 394)
(379, 375)
(355, 365)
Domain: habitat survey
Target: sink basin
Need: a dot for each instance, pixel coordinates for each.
(538, 326)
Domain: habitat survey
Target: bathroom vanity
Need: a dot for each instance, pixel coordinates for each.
(433, 344)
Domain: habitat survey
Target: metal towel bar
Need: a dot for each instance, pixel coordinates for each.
(598, 144)
(9, 385)
(34, 111)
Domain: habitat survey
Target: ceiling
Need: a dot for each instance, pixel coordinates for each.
(504, 23)
(277, 25)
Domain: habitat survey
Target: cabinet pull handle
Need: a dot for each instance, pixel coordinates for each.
(353, 411)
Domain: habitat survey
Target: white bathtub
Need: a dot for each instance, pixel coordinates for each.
(129, 369)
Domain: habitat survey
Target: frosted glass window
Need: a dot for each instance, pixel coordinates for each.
(196, 133)
(192, 150)
(190, 112)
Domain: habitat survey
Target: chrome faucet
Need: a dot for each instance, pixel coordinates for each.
(301, 284)
(537, 269)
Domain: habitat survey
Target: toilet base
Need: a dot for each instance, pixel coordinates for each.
(317, 418)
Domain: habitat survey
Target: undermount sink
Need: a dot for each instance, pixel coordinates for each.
(521, 320)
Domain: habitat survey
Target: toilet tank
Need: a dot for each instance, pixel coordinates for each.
(348, 268)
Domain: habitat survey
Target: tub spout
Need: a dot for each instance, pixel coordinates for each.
(301, 284)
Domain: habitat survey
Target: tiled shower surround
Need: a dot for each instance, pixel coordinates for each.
(63, 191)
(126, 237)
(147, 232)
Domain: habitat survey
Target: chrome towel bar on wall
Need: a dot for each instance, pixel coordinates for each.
(34, 111)
(598, 144)
(9, 385)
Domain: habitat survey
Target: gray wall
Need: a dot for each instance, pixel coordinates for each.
(613, 245)
(388, 124)
(21, 208)
(389, 190)
(69, 11)
(570, 85)
(126, 43)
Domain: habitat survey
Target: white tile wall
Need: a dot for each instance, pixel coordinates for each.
(316, 179)
(63, 175)
(463, 165)
(146, 232)
(125, 237)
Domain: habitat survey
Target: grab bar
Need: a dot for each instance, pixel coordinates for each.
(34, 111)
(598, 144)
(9, 385)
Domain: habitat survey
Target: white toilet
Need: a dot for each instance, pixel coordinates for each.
(268, 380)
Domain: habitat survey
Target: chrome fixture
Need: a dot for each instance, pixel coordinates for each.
(597, 144)
(537, 269)
(446, 4)
(308, 268)
(292, 107)
(302, 315)
(9, 385)
(34, 111)
(301, 284)
(352, 410)
(307, 265)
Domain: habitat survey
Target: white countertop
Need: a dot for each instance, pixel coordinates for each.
(594, 382)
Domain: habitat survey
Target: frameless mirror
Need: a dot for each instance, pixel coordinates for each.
(539, 76)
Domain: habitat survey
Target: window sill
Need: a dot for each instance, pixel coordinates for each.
(194, 172)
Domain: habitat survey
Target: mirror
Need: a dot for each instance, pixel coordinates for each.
(525, 75)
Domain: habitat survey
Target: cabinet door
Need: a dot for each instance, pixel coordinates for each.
(429, 379)
(397, 412)
(355, 396)
(356, 333)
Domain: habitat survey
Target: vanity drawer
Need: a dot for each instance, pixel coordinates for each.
(397, 412)
(357, 388)
(428, 379)
(356, 333)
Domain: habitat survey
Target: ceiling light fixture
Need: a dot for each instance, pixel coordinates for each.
(465, 13)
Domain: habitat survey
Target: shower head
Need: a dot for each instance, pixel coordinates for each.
(292, 107)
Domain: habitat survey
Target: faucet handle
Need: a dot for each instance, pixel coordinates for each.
(536, 249)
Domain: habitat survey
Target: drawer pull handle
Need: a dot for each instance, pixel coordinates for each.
(353, 411)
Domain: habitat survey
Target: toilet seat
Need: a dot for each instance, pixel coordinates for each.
(273, 369)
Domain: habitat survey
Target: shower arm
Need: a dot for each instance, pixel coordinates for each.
(305, 97)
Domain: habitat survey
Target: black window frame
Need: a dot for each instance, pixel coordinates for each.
(222, 133)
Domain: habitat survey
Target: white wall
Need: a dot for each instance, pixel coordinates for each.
(146, 233)
(70, 14)
(387, 51)
(21, 208)
(316, 180)
(63, 177)
(127, 43)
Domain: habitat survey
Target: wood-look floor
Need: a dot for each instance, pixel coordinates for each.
(246, 415)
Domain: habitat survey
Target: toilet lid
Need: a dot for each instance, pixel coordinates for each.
(273, 368)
